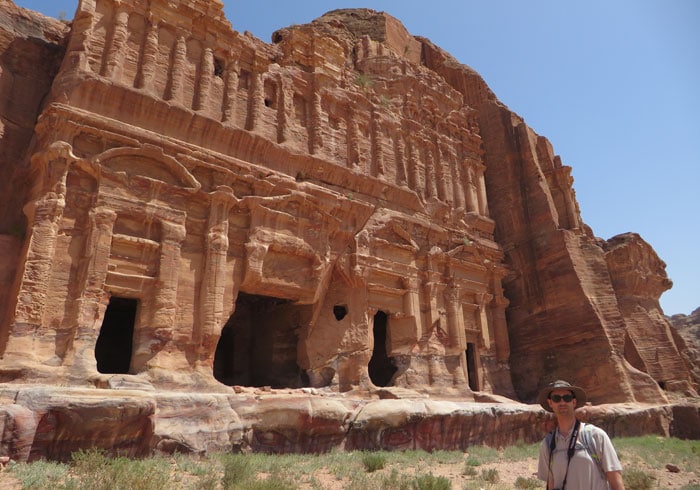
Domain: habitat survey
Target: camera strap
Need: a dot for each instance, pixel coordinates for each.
(570, 452)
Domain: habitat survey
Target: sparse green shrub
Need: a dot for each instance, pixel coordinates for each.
(40, 475)
(95, 471)
(472, 461)
(237, 469)
(431, 482)
(526, 483)
(490, 475)
(637, 480)
(469, 470)
(373, 461)
(363, 81)
(273, 482)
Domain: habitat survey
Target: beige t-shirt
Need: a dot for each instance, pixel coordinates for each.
(583, 473)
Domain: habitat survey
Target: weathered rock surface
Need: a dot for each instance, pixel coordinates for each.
(686, 332)
(51, 422)
(349, 210)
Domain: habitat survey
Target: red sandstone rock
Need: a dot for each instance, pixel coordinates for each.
(347, 210)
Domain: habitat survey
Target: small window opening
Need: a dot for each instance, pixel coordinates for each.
(340, 311)
(381, 368)
(218, 68)
(114, 344)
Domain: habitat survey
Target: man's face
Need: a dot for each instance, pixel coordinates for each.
(558, 403)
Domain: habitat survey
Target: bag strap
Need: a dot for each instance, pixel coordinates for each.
(570, 451)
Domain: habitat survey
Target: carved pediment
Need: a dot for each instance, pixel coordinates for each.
(148, 162)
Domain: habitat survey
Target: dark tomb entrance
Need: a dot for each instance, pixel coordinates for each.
(258, 344)
(115, 342)
(381, 367)
(471, 367)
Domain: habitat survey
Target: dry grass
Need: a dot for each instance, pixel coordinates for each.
(644, 459)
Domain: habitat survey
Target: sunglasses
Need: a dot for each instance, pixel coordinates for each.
(558, 398)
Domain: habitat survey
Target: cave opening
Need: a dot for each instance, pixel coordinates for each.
(258, 344)
(381, 368)
(114, 344)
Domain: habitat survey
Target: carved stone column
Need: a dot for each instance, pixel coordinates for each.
(44, 215)
(90, 305)
(256, 99)
(377, 145)
(413, 167)
(214, 281)
(430, 174)
(411, 303)
(483, 300)
(353, 138)
(206, 74)
(315, 139)
(165, 297)
(457, 180)
(455, 319)
(472, 198)
(115, 51)
(481, 190)
(285, 99)
(151, 337)
(177, 70)
(231, 92)
(400, 157)
(149, 57)
(440, 174)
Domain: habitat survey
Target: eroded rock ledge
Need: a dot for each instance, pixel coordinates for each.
(50, 422)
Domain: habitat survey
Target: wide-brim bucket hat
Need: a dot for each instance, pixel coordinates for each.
(578, 392)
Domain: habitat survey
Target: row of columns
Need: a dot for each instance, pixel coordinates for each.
(434, 168)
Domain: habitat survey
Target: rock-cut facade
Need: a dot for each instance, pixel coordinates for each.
(346, 208)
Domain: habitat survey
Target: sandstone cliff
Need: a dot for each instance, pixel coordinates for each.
(346, 209)
(686, 332)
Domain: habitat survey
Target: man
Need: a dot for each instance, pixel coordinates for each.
(575, 456)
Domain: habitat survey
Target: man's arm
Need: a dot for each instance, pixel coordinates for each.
(615, 480)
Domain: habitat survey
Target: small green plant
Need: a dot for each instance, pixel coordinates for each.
(490, 475)
(430, 482)
(373, 461)
(363, 81)
(527, 483)
(273, 482)
(484, 454)
(472, 461)
(392, 481)
(469, 470)
(637, 480)
(237, 470)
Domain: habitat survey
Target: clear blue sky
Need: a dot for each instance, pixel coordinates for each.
(613, 84)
